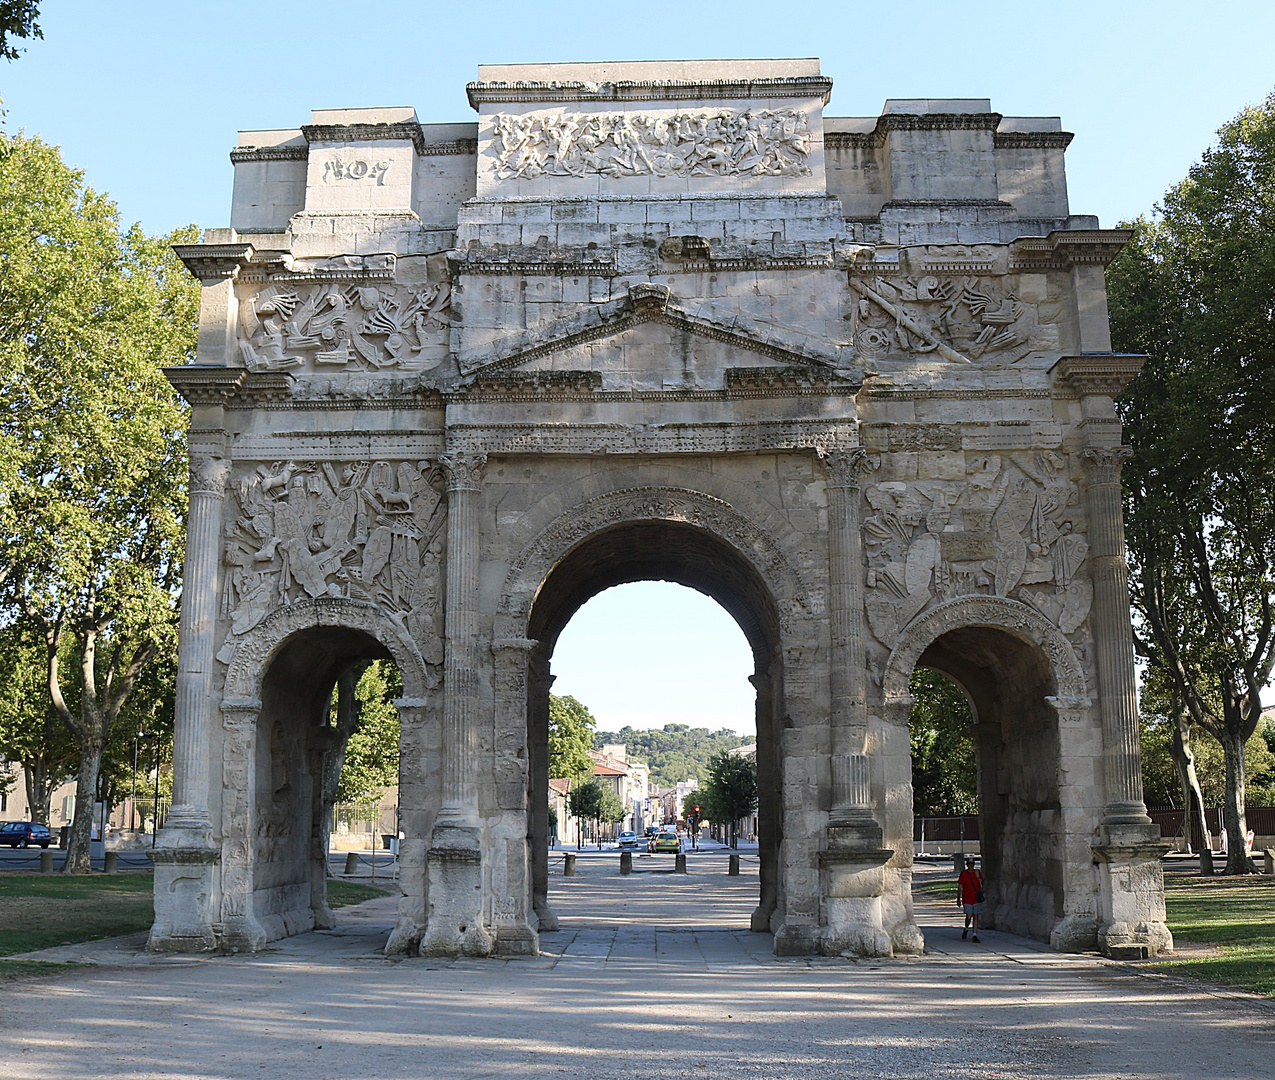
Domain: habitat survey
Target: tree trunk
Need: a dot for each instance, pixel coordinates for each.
(78, 850)
(1233, 817)
(35, 771)
(347, 720)
(1194, 827)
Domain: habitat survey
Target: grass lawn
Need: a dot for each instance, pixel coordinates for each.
(40, 912)
(1237, 915)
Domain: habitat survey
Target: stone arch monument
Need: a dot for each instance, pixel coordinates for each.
(849, 376)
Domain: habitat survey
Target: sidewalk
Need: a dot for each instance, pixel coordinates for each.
(653, 976)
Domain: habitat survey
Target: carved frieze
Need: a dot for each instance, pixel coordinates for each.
(368, 531)
(338, 326)
(1013, 527)
(959, 318)
(762, 142)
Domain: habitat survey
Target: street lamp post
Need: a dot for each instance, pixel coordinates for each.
(132, 798)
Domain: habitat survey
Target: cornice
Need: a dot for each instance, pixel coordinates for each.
(803, 86)
(342, 133)
(1105, 374)
(205, 384)
(241, 154)
(867, 140)
(1065, 248)
(214, 262)
(1033, 140)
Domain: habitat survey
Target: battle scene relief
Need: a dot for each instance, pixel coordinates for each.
(369, 531)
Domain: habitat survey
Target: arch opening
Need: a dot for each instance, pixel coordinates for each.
(1009, 683)
(682, 554)
(278, 830)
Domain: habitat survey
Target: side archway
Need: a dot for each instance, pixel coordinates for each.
(1033, 726)
(276, 696)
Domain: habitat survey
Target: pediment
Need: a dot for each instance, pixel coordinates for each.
(644, 342)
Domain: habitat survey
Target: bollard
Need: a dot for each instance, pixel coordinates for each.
(626, 862)
(679, 863)
(1269, 855)
(110, 862)
(1206, 862)
(46, 862)
(569, 864)
(351, 863)
(733, 871)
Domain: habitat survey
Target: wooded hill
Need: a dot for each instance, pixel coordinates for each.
(676, 752)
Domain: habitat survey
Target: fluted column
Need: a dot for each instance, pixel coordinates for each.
(849, 721)
(460, 793)
(196, 645)
(1113, 637)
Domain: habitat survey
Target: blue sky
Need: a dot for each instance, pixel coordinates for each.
(146, 97)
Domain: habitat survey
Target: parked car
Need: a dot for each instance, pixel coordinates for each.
(25, 833)
(628, 839)
(665, 841)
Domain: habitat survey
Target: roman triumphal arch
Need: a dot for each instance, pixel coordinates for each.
(851, 377)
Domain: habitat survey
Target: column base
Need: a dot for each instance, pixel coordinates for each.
(455, 925)
(405, 938)
(854, 882)
(517, 940)
(546, 917)
(1132, 921)
(185, 864)
(1076, 933)
(243, 933)
(798, 939)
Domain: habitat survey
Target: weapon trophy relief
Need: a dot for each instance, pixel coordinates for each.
(764, 142)
(369, 531)
(1012, 528)
(960, 319)
(336, 326)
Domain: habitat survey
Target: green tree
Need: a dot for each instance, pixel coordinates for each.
(729, 792)
(17, 20)
(944, 771)
(570, 738)
(586, 801)
(32, 734)
(1195, 291)
(370, 756)
(93, 443)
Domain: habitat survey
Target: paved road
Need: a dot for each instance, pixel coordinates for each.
(652, 976)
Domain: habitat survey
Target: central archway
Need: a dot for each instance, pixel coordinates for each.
(677, 536)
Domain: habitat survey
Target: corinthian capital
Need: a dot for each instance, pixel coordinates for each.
(846, 466)
(1105, 462)
(464, 469)
(207, 475)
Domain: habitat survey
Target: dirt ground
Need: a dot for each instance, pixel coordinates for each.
(653, 976)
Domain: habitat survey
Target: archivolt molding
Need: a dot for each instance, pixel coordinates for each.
(793, 598)
(257, 648)
(998, 612)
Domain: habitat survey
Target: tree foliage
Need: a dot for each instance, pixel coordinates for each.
(729, 791)
(371, 753)
(1195, 291)
(570, 738)
(944, 771)
(17, 20)
(676, 752)
(92, 440)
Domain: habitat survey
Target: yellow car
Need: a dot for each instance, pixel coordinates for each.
(665, 841)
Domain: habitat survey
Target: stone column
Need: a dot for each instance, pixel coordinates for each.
(851, 801)
(853, 859)
(195, 649)
(1131, 895)
(417, 803)
(539, 683)
(455, 923)
(1113, 637)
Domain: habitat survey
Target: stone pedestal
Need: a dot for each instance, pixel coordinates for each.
(455, 923)
(853, 870)
(184, 862)
(1131, 924)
